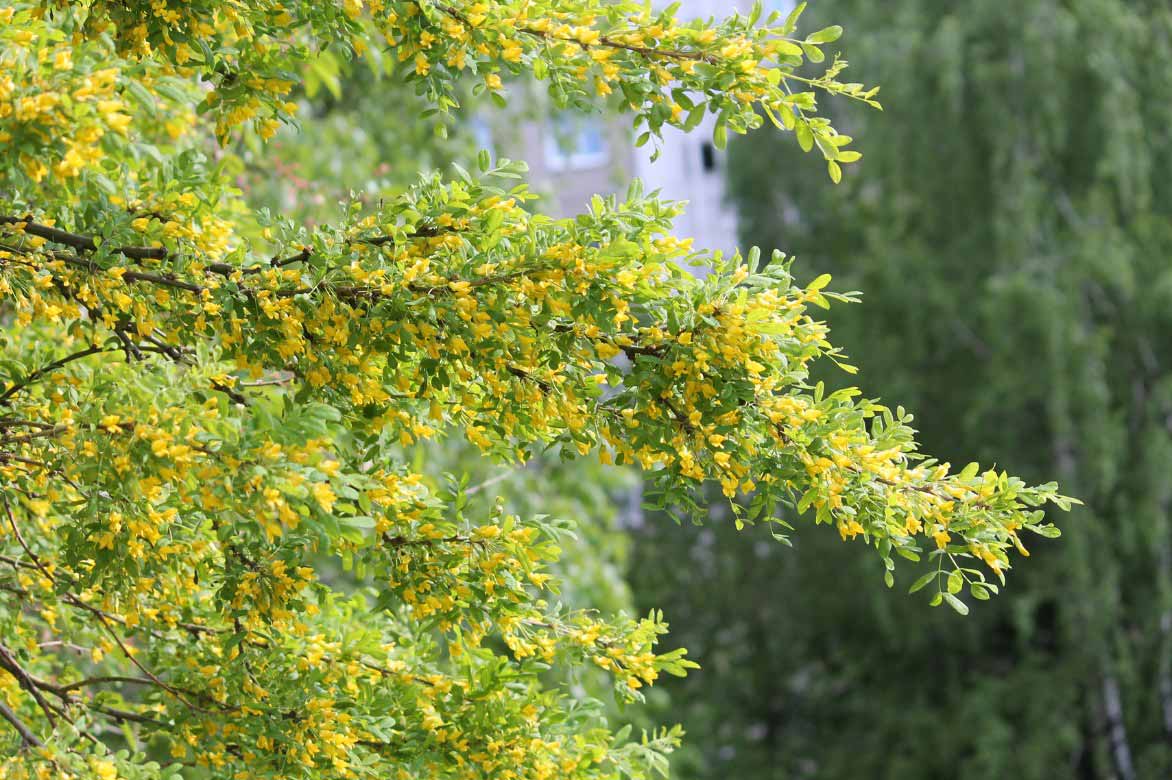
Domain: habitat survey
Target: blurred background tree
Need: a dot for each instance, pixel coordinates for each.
(361, 106)
(1015, 200)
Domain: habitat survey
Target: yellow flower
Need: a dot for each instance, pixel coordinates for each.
(324, 495)
(268, 128)
(105, 770)
(850, 529)
(511, 51)
(587, 36)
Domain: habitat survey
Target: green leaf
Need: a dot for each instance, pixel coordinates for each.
(813, 53)
(804, 135)
(143, 96)
(956, 604)
(791, 21)
(922, 581)
(357, 521)
(825, 35)
(788, 49)
(806, 500)
(462, 172)
(755, 14)
(819, 283)
(720, 135)
(694, 117)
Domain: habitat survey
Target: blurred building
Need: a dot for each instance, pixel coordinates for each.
(689, 166)
(572, 156)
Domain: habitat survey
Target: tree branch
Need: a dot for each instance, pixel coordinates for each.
(99, 680)
(81, 242)
(27, 737)
(42, 371)
(26, 680)
(603, 41)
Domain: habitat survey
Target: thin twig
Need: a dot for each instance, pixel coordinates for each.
(99, 680)
(44, 370)
(27, 737)
(8, 663)
(489, 483)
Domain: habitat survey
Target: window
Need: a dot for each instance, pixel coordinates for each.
(707, 157)
(575, 142)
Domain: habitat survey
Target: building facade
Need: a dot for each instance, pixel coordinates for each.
(574, 156)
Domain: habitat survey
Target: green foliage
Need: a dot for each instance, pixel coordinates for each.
(1010, 229)
(218, 559)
